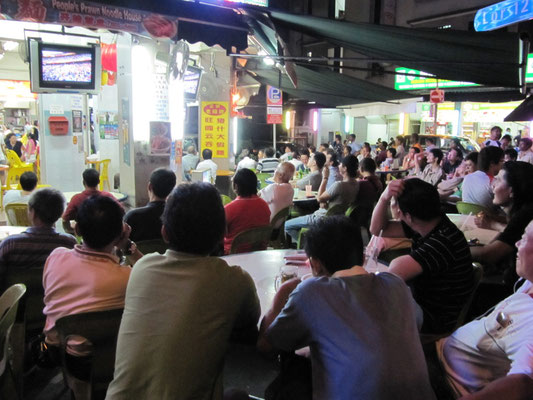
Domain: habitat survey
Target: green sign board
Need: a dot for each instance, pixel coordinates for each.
(418, 80)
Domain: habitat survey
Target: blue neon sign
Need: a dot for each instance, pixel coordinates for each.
(502, 14)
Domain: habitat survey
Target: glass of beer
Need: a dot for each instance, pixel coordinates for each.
(286, 272)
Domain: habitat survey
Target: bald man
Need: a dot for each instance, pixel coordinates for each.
(279, 194)
(189, 162)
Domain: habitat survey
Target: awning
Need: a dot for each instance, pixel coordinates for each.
(329, 89)
(524, 112)
(490, 58)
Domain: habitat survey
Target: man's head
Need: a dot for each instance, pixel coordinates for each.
(366, 150)
(349, 166)
(194, 220)
(525, 144)
(99, 221)
(338, 138)
(331, 158)
(383, 145)
(510, 154)
(288, 148)
(435, 156)
(11, 138)
(490, 160)
(191, 150)
(91, 178)
(416, 192)
(453, 156)
(207, 154)
(317, 159)
(391, 152)
(323, 147)
(399, 141)
(162, 181)
(333, 244)
(28, 181)
(506, 140)
(495, 133)
(367, 165)
(304, 157)
(471, 162)
(284, 172)
(311, 148)
(269, 152)
(352, 137)
(245, 183)
(430, 141)
(46, 206)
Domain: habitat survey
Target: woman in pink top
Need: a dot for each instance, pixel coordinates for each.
(90, 276)
(29, 151)
(279, 195)
(247, 211)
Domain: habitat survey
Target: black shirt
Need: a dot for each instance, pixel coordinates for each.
(447, 278)
(17, 148)
(145, 221)
(450, 168)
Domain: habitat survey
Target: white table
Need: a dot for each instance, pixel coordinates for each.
(263, 266)
(471, 231)
(6, 231)
(300, 195)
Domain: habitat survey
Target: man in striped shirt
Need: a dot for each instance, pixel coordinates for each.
(269, 163)
(30, 249)
(439, 265)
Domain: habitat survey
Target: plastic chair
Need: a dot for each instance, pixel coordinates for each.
(8, 311)
(467, 208)
(17, 214)
(152, 246)
(104, 174)
(16, 167)
(101, 329)
(277, 239)
(253, 239)
(225, 199)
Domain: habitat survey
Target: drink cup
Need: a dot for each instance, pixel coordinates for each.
(308, 190)
(286, 272)
(296, 193)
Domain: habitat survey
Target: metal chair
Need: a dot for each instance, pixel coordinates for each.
(467, 208)
(17, 214)
(253, 239)
(8, 311)
(101, 329)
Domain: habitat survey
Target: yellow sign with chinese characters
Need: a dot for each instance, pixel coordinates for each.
(215, 127)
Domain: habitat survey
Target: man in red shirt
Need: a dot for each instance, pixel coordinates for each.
(91, 179)
(247, 210)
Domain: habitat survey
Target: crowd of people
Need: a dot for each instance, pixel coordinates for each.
(365, 333)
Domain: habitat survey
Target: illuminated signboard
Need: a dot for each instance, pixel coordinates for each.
(262, 3)
(427, 81)
(503, 14)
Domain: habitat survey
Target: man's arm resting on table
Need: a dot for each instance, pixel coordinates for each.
(511, 387)
(492, 252)
(405, 267)
(280, 299)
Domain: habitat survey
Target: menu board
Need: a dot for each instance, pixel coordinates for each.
(215, 127)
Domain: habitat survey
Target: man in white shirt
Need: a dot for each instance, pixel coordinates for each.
(28, 183)
(189, 162)
(495, 135)
(207, 155)
(492, 357)
(356, 148)
(279, 194)
(477, 186)
(525, 154)
(246, 161)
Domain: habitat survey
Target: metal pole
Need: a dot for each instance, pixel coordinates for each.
(274, 135)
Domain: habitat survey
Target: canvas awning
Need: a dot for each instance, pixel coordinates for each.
(327, 88)
(524, 112)
(489, 58)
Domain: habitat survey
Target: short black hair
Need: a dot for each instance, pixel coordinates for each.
(487, 156)
(325, 145)
(351, 163)
(508, 137)
(91, 177)
(438, 154)
(194, 218)
(430, 140)
(304, 152)
(415, 193)
(269, 152)
(512, 153)
(352, 136)
(163, 181)
(245, 182)
(99, 221)
(336, 242)
(28, 181)
(48, 205)
(338, 137)
(368, 165)
(392, 151)
(519, 176)
(8, 136)
(400, 139)
(334, 158)
(473, 156)
(207, 154)
(417, 149)
(320, 159)
(311, 148)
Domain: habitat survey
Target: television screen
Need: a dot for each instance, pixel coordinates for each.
(191, 82)
(64, 68)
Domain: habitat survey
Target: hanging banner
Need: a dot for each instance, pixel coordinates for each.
(215, 127)
(90, 15)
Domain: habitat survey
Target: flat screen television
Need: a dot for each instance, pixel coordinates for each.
(57, 68)
(191, 82)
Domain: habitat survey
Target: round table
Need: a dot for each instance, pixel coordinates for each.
(263, 266)
(301, 196)
(117, 195)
